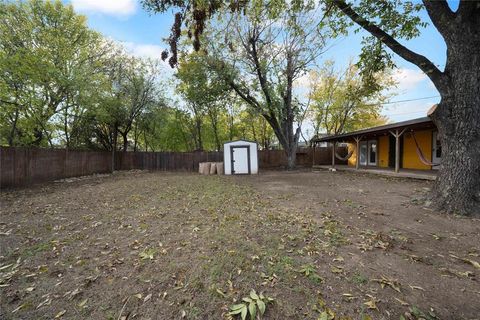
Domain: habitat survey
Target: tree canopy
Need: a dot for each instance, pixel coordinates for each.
(343, 101)
(65, 85)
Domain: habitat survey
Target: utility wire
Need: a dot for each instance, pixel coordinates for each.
(404, 113)
(408, 100)
(382, 103)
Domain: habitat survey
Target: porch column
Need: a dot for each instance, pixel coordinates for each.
(357, 152)
(397, 151)
(397, 135)
(333, 154)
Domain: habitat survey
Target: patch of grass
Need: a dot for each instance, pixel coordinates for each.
(309, 271)
(359, 279)
(333, 233)
(416, 313)
(37, 248)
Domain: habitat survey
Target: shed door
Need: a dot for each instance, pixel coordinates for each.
(240, 159)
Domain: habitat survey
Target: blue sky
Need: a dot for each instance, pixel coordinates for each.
(142, 34)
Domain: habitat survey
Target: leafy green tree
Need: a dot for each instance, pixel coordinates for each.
(254, 127)
(48, 59)
(260, 57)
(139, 90)
(203, 93)
(342, 101)
(162, 128)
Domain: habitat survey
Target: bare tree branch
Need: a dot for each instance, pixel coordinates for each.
(419, 60)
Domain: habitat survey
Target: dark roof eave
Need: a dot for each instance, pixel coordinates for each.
(379, 129)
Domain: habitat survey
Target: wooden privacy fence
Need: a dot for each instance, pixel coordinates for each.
(23, 166)
(165, 161)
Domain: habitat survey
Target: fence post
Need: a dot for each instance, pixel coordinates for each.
(27, 164)
(113, 159)
(65, 163)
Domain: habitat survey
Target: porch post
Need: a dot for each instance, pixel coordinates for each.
(397, 151)
(333, 154)
(397, 135)
(357, 152)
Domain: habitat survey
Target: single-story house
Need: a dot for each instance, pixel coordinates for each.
(411, 144)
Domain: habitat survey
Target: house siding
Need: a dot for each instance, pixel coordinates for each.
(383, 151)
(410, 157)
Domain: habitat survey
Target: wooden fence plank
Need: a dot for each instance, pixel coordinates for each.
(23, 166)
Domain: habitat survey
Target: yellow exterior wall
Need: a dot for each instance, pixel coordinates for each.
(353, 159)
(410, 157)
(383, 145)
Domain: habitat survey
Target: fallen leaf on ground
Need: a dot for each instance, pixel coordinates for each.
(416, 287)
(403, 303)
(148, 297)
(60, 314)
(83, 303)
(371, 304)
(473, 263)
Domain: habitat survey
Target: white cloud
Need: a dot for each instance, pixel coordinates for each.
(144, 50)
(111, 7)
(303, 81)
(150, 51)
(408, 78)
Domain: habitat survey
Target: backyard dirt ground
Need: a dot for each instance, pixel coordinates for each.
(322, 245)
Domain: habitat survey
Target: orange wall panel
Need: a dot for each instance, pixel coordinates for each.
(383, 145)
(410, 157)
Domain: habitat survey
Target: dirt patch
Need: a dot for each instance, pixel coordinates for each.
(172, 246)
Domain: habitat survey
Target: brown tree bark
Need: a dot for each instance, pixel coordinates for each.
(125, 141)
(457, 118)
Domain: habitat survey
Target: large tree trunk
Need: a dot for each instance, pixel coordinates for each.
(291, 157)
(135, 137)
(125, 140)
(457, 117)
(11, 137)
(198, 133)
(230, 128)
(214, 119)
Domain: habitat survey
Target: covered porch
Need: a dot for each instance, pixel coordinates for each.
(389, 172)
(404, 149)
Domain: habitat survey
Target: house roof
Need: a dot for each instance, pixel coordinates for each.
(418, 123)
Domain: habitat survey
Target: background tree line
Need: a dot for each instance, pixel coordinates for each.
(65, 85)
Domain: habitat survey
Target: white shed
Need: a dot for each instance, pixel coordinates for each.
(240, 157)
